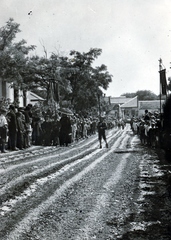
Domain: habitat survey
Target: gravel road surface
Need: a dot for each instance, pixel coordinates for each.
(84, 192)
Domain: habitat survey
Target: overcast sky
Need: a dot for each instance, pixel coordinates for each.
(133, 35)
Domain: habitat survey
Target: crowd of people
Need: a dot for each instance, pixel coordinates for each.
(150, 128)
(22, 127)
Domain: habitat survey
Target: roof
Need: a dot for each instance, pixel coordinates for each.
(132, 103)
(119, 100)
(35, 97)
(152, 104)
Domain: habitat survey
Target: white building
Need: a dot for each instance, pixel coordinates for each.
(24, 98)
(151, 105)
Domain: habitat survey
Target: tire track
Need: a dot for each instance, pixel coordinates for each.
(115, 141)
(90, 226)
(34, 213)
(36, 157)
(54, 163)
(53, 169)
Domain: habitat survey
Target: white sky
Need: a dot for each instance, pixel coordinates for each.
(133, 35)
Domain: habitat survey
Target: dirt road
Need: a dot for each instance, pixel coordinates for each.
(83, 192)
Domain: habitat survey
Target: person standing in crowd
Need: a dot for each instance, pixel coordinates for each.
(146, 117)
(165, 141)
(152, 134)
(12, 128)
(142, 131)
(119, 123)
(3, 129)
(122, 123)
(21, 110)
(74, 129)
(85, 128)
(101, 127)
(28, 122)
(55, 131)
(21, 131)
(46, 127)
(93, 126)
(135, 126)
(79, 129)
(65, 130)
(37, 132)
(131, 122)
(147, 127)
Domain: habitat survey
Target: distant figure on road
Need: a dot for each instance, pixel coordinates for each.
(101, 127)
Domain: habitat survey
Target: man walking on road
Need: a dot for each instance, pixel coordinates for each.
(101, 127)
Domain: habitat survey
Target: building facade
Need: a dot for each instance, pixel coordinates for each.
(150, 105)
(20, 97)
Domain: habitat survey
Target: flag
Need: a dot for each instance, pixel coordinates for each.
(56, 91)
(163, 82)
(50, 97)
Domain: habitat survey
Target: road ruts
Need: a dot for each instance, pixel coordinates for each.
(66, 193)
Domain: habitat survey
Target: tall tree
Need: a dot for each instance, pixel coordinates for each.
(49, 74)
(85, 80)
(73, 79)
(13, 55)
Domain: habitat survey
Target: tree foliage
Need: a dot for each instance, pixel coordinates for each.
(77, 81)
(72, 78)
(86, 80)
(13, 55)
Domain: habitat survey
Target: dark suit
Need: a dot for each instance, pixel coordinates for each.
(12, 128)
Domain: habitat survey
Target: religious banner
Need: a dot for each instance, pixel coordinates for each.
(163, 82)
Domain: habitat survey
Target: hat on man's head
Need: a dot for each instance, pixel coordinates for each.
(12, 107)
